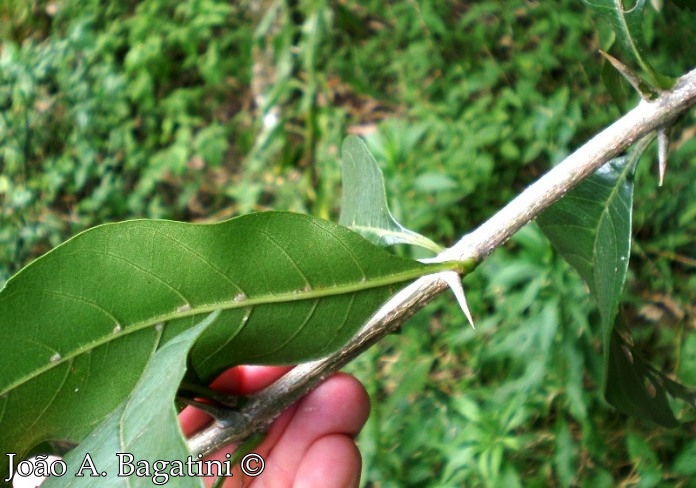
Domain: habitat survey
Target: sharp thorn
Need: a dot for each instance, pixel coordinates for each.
(454, 281)
(662, 150)
(645, 91)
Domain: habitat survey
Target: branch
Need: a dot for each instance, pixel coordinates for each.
(646, 118)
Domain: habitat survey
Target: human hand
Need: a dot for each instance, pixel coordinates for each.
(311, 443)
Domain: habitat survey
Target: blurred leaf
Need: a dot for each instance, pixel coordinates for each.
(364, 207)
(434, 182)
(145, 425)
(412, 383)
(647, 464)
(628, 26)
(565, 457)
(684, 464)
(80, 324)
(211, 144)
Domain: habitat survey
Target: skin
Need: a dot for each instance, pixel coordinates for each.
(311, 444)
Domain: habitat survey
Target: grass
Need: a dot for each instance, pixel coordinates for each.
(154, 110)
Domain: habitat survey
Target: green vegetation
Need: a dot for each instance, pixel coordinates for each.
(156, 109)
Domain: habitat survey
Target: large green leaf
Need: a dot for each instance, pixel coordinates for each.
(591, 228)
(144, 427)
(364, 207)
(79, 325)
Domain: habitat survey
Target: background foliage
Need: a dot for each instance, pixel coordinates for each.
(206, 109)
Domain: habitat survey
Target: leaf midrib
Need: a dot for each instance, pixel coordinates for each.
(232, 304)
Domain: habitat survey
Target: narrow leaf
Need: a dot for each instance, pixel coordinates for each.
(591, 228)
(364, 207)
(79, 325)
(144, 427)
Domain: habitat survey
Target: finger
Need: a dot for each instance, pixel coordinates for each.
(338, 406)
(245, 380)
(333, 460)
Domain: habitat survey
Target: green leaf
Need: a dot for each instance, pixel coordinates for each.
(364, 207)
(79, 325)
(591, 228)
(144, 426)
(628, 26)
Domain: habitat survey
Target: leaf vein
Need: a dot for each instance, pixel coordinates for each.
(145, 271)
(308, 317)
(191, 250)
(348, 250)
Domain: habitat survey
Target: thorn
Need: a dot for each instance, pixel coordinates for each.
(646, 91)
(454, 281)
(662, 150)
